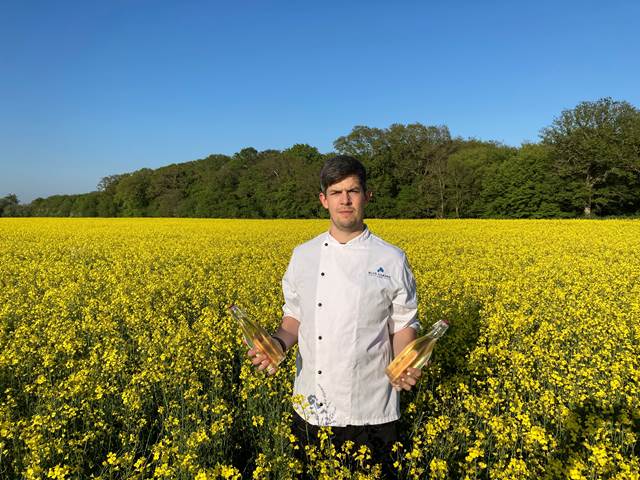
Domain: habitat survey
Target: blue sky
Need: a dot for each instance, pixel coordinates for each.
(89, 89)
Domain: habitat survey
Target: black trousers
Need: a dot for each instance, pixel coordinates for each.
(379, 438)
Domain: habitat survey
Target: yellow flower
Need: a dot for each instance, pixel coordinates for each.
(114, 335)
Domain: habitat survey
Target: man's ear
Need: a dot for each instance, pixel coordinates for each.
(323, 200)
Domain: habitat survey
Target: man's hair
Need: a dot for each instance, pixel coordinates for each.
(340, 167)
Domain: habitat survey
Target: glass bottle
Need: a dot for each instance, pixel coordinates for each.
(257, 337)
(417, 353)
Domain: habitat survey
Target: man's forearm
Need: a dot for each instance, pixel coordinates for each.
(288, 331)
(402, 338)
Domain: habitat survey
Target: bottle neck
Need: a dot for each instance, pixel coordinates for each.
(437, 329)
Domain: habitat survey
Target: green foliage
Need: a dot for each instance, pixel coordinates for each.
(524, 186)
(596, 146)
(472, 173)
(9, 205)
(587, 163)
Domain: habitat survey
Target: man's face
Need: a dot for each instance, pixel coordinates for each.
(345, 201)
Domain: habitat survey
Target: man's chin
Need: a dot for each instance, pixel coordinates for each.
(348, 226)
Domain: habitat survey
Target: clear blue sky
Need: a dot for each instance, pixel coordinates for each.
(93, 88)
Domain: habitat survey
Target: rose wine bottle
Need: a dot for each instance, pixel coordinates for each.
(417, 353)
(257, 337)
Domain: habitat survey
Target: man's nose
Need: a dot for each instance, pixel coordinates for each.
(345, 198)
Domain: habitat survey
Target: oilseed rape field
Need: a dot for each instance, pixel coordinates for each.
(118, 358)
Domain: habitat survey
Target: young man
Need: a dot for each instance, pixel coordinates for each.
(350, 304)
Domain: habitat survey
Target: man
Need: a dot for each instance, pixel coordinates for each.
(350, 304)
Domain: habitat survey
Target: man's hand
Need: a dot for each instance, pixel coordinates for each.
(261, 361)
(408, 379)
(410, 376)
(288, 333)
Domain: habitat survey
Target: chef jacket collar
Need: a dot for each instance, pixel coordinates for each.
(363, 237)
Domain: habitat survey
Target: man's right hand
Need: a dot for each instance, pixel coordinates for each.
(261, 361)
(288, 332)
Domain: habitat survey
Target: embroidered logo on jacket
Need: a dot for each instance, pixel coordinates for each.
(379, 273)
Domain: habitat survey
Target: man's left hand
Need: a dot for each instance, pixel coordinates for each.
(408, 379)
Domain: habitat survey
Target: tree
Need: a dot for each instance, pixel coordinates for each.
(527, 186)
(86, 205)
(307, 153)
(9, 205)
(462, 181)
(132, 193)
(405, 164)
(588, 162)
(168, 186)
(472, 176)
(596, 147)
(106, 206)
(108, 184)
(436, 147)
(362, 142)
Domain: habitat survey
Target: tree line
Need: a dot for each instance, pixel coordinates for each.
(587, 163)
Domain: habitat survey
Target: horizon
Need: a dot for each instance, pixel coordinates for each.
(96, 90)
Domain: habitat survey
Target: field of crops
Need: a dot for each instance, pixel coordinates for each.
(117, 359)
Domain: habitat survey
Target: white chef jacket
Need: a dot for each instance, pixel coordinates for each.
(348, 298)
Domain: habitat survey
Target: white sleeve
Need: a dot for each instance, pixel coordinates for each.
(291, 307)
(404, 306)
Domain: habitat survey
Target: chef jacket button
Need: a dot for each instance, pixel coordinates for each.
(322, 274)
(319, 372)
(326, 244)
(319, 304)
(320, 404)
(319, 337)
